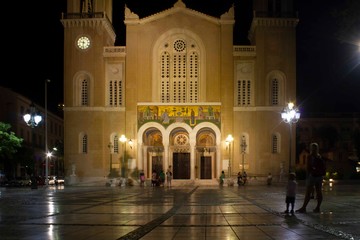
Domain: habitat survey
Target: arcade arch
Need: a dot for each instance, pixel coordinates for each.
(190, 153)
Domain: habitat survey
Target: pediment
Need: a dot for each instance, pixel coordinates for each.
(132, 18)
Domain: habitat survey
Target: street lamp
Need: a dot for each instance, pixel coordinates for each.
(243, 146)
(131, 143)
(123, 140)
(32, 119)
(110, 146)
(228, 141)
(290, 115)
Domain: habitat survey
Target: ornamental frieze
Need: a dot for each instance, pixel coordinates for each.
(191, 115)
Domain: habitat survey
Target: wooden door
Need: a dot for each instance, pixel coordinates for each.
(181, 165)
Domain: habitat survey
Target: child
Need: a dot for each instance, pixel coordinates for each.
(291, 193)
(222, 177)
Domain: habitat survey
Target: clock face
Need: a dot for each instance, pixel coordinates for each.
(83, 42)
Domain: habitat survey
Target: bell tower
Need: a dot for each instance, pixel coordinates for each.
(88, 31)
(273, 32)
(274, 8)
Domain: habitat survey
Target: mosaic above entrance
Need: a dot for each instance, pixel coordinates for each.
(191, 115)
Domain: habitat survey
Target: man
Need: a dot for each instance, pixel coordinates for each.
(315, 172)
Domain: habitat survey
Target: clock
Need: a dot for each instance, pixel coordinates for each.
(83, 42)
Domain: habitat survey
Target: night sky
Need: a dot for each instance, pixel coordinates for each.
(328, 71)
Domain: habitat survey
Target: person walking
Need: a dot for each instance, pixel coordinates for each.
(168, 177)
(291, 188)
(316, 170)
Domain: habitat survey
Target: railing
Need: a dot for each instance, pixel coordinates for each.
(244, 50)
(276, 14)
(87, 17)
(83, 15)
(109, 51)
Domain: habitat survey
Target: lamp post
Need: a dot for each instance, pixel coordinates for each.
(110, 146)
(123, 140)
(290, 115)
(32, 119)
(46, 135)
(56, 162)
(228, 141)
(243, 146)
(48, 158)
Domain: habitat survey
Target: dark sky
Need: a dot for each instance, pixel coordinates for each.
(328, 74)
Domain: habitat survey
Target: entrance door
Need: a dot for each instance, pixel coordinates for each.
(205, 167)
(181, 165)
(157, 164)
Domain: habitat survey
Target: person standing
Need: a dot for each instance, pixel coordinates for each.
(244, 177)
(142, 179)
(168, 177)
(162, 178)
(269, 179)
(291, 188)
(316, 170)
(239, 179)
(154, 178)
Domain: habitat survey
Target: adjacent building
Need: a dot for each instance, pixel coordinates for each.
(13, 108)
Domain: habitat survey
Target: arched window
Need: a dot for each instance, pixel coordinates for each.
(274, 91)
(83, 143)
(275, 143)
(84, 93)
(276, 81)
(179, 71)
(116, 144)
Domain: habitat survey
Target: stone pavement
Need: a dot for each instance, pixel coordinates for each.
(248, 212)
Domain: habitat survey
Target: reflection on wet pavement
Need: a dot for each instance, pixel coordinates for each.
(181, 212)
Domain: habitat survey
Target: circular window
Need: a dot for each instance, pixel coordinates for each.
(179, 45)
(181, 139)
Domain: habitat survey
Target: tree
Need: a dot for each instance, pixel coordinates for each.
(9, 142)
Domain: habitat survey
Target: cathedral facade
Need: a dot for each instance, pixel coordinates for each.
(180, 95)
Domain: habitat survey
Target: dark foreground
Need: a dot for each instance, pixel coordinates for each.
(181, 212)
